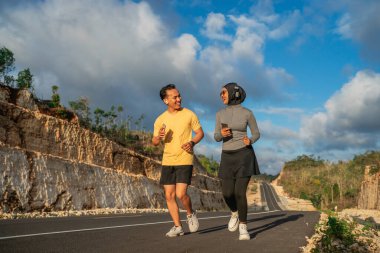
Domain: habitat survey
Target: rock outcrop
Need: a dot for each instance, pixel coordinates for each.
(369, 197)
(50, 164)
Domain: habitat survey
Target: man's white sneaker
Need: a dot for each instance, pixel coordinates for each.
(175, 231)
(244, 235)
(193, 222)
(233, 224)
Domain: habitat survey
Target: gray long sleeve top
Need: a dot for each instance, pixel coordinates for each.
(237, 118)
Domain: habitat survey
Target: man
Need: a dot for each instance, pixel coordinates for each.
(174, 127)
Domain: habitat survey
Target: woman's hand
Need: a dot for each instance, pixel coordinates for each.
(246, 141)
(226, 132)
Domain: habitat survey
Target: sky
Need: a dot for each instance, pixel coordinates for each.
(311, 69)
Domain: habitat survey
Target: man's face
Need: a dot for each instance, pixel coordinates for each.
(173, 99)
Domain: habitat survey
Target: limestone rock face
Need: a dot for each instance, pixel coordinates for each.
(4, 94)
(369, 197)
(51, 164)
(25, 99)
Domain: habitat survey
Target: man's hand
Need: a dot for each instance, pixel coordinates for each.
(226, 132)
(161, 135)
(246, 141)
(188, 147)
(162, 132)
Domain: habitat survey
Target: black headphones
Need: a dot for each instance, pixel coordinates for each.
(237, 91)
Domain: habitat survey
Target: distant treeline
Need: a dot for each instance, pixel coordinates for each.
(328, 184)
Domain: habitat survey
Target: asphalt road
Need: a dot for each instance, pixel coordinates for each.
(270, 231)
(269, 196)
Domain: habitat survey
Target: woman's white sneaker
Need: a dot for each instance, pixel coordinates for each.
(193, 222)
(233, 224)
(175, 231)
(244, 235)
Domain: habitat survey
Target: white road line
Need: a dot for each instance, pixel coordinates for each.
(123, 216)
(111, 227)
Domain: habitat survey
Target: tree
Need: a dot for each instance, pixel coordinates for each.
(55, 98)
(82, 109)
(24, 79)
(6, 63)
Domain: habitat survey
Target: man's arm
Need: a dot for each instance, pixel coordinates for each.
(197, 138)
(161, 135)
(156, 140)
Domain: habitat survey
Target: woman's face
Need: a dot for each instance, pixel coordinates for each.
(224, 96)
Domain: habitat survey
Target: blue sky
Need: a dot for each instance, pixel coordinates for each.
(311, 69)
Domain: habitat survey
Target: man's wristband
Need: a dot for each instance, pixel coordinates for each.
(192, 143)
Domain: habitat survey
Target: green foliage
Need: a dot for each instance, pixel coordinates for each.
(327, 185)
(24, 79)
(265, 177)
(82, 110)
(303, 162)
(55, 98)
(374, 169)
(209, 164)
(336, 229)
(6, 63)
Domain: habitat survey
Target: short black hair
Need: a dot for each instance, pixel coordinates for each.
(164, 89)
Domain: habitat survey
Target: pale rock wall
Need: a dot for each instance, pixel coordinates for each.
(369, 197)
(51, 164)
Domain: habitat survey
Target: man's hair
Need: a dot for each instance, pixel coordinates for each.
(164, 89)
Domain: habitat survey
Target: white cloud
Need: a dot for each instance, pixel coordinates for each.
(183, 54)
(269, 160)
(361, 23)
(281, 111)
(121, 52)
(344, 26)
(214, 27)
(286, 27)
(350, 118)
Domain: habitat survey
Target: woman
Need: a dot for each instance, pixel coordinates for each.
(238, 162)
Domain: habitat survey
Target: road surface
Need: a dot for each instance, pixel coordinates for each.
(271, 231)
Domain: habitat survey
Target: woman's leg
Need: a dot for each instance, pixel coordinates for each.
(228, 188)
(241, 197)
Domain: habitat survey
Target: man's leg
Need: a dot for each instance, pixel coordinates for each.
(170, 193)
(181, 193)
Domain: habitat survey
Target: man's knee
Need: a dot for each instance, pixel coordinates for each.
(170, 196)
(182, 196)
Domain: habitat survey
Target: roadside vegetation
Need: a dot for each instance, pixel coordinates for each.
(328, 185)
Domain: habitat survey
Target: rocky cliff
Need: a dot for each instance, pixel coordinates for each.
(51, 164)
(369, 197)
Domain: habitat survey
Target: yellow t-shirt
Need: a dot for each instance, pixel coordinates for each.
(179, 127)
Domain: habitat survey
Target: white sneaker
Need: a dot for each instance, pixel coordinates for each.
(233, 224)
(193, 222)
(175, 231)
(244, 235)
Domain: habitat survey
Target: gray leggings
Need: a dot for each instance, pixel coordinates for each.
(235, 194)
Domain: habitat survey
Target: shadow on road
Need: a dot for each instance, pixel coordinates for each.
(273, 224)
(213, 229)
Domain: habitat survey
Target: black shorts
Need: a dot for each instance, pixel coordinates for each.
(171, 175)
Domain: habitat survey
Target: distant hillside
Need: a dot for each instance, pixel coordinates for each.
(328, 184)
